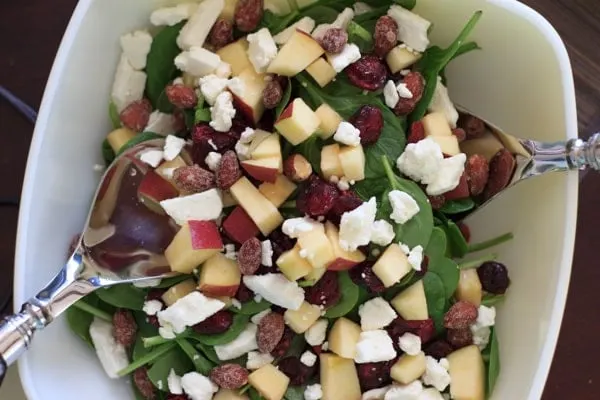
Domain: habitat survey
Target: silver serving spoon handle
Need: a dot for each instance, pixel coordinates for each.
(123, 241)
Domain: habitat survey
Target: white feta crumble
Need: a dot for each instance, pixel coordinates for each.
(258, 298)
(198, 386)
(415, 257)
(242, 150)
(412, 28)
(431, 394)
(173, 146)
(257, 360)
(390, 94)
(236, 303)
(349, 54)
(223, 70)
(213, 160)
(247, 135)
(315, 335)
(205, 206)
(374, 346)
(441, 103)
(404, 206)
(244, 343)
(161, 123)
(166, 332)
(199, 24)
(356, 226)
(128, 85)
(421, 161)
(376, 314)
(112, 355)
(486, 318)
(294, 227)
(174, 382)
(375, 394)
(325, 346)
(308, 358)
(404, 91)
(347, 134)
(266, 253)
(448, 177)
(361, 8)
(382, 233)
(189, 310)
(481, 336)
(212, 145)
(152, 157)
(410, 343)
(222, 113)
(212, 86)
(230, 252)
(313, 392)
(306, 24)
(159, 385)
(237, 86)
(151, 307)
(172, 15)
(197, 61)
(411, 391)
(255, 319)
(435, 375)
(405, 72)
(276, 289)
(136, 46)
(261, 49)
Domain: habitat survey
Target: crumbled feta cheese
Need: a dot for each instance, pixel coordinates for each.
(308, 358)
(325, 346)
(382, 233)
(349, 54)
(244, 343)
(334, 179)
(236, 303)
(390, 94)
(266, 253)
(255, 319)
(197, 61)
(375, 394)
(411, 391)
(361, 8)
(172, 15)
(481, 336)
(174, 382)
(431, 394)
(421, 161)
(441, 102)
(189, 310)
(412, 28)
(136, 46)
(198, 386)
(222, 113)
(166, 332)
(347, 134)
(315, 335)
(313, 392)
(212, 160)
(435, 375)
(242, 150)
(261, 49)
(205, 206)
(404, 91)
(237, 86)
(128, 85)
(448, 177)
(410, 344)
(343, 184)
(356, 226)
(415, 257)
(374, 346)
(376, 314)
(404, 206)
(212, 145)
(486, 318)
(293, 227)
(257, 360)
(405, 72)
(276, 289)
(196, 30)
(306, 24)
(212, 86)
(152, 157)
(247, 135)
(111, 354)
(173, 146)
(230, 251)
(161, 123)
(223, 70)
(151, 307)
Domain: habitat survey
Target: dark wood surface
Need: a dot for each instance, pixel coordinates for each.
(30, 32)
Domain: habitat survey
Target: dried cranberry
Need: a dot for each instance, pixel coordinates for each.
(206, 139)
(347, 201)
(284, 344)
(417, 132)
(459, 338)
(143, 383)
(244, 294)
(415, 83)
(438, 349)
(374, 375)
(325, 292)
(316, 197)
(369, 121)
(425, 329)
(280, 243)
(368, 73)
(172, 396)
(494, 277)
(298, 372)
(155, 294)
(217, 323)
(124, 327)
(437, 202)
(363, 275)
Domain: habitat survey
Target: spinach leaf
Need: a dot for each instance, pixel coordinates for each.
(150, 357)
(253, 393)
(493, 365)
(284, 100)
(108, 154)
(464, 49)
(434, 60)
(239, 324)
(175, 360)
(448, 272)
(311, 150)
(408, 4)
(349, 296)
(436, 248)
(296, 347)
(201, 363)
(160, 65)
(139, 350)
(436, 298)
(251, 307)
(123, 296)
(360, 36)
(322, 14)
(189, 117)
(202, 115)
(168, 282)
(275, 23)
(490, 243)
(458, 206)
(79, 322)
(457, 245)
(144, 330)
(163, 103)
(490, 300)
(294, 393)
(209, 352)
(137, 139)
(371, 188)
(113, 114)
(88, 305)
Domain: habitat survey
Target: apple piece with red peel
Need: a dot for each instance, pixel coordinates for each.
(259, 137)
(219, 276)
(266, 148)
(278, 191)
(195, 243)
(330, 161)
(297, 122)
(461, 191)
(392, 266)
(315, 244)
(236, 55)
(263, 169)
(178, 291)
(330, 120)
(353, 162)
(239, 227)
(264, 214)
(248, 97)
(297, 53)
(292, 265)
(119, 137)
(344, 260)
(321, 71)
(153, 189)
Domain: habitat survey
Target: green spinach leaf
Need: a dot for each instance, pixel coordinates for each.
(201, 363)
(408, 4)
(311, 150)
(168, 282)
(275, 23)
(209, 352)
(493, 366)
(175, 360)
(371, 188)
(297, 347)
(137, 139)
(490, 243)
(464, 49)
(490, 300)
(322, 14)
(360, 36)
(436, 298)
(202, 115)
(294, 393)
(79, 322)
(285, 99)
(113, 114)
(239, 324)
(458, 206)
(349, 296)
(108, 154)
(148, 358)
(254, 395)
(251, 307)
(457, 245)
(123, 296)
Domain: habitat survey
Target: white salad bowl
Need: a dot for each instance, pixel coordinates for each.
(521, 81)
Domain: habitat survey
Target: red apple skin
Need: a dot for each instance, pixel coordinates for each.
(260, 173)
(243, 108)
(342, 264)
(287, 112)
(155, 188)
(217, 291)
(239, 226)
(461, 191)
(205, 235)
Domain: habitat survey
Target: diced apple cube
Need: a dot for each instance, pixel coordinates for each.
(330, 161)
(119, 137)
(292, 265)
(487, 145)
(330, 120)
(297, 122)
(228, 10)
(268, 147)
(343, 260)
(236, 55)
(153, 189)
(303, 318)
(227, 394)
(248, 97)
(448, 144)
(239, 227)
(352, 159)
(317, 248)
(339, 379)
(321, 71)
(228, 200)
(343, 337)
(178, 291)
(411, 303)
(316, 274)
(264, 214)
(469, 287)
(278, 7)
(270, 382)
(263, 169)
(436, 124)
(219, 276)
(392, 265)
(400, 58)
(467, 374)
(277, 192)
(296, 54)
(195, 243)
(408, 368)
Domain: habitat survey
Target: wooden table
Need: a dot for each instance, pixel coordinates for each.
(30, 32)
